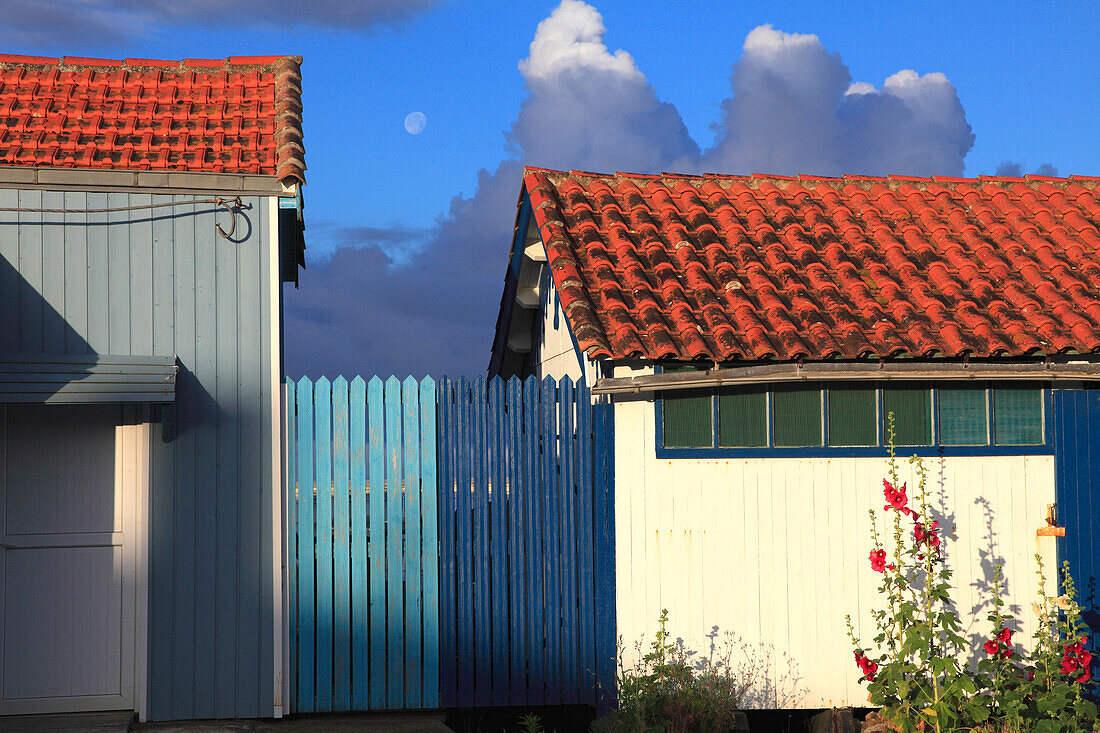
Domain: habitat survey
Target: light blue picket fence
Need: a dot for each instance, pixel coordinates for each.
(363, 571)
(487, 582)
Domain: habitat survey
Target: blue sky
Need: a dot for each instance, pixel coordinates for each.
(1025, 74)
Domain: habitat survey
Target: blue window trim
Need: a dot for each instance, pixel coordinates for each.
(879, 451)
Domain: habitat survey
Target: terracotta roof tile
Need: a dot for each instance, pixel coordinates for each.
(236, 115)
(722, 268)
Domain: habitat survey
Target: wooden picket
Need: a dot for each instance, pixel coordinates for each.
(364, 604)
(449, 547)
(526, 528)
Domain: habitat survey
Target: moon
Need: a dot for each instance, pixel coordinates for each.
(415, 122)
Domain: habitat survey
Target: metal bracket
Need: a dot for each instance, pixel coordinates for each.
(232, 205)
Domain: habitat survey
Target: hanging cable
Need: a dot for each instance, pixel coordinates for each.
(232, 205)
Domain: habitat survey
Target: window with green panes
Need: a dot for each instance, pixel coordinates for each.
(963, 413)
(840, 415)
(910, 407)
(853, 416)
(743, 418)
(796, 417)
(1018, 416)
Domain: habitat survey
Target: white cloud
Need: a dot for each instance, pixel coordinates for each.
(795, 109)
(589, 107)
(572, 38)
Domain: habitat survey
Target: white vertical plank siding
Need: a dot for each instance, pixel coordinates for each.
(775, 550)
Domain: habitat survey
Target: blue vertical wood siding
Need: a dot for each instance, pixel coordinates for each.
(1077, 491)
(156, 283)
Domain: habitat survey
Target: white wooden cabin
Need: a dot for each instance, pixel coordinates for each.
(754, 333)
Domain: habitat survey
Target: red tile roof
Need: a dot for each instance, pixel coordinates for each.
(722, 268)
(238, 115)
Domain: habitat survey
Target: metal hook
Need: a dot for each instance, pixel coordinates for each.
(230, 205)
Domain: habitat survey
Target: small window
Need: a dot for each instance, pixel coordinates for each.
(687, 419)
(743, 418)
(912, 410)
(1017, 416)
(796, 417)
(963, 414)
(853, 416)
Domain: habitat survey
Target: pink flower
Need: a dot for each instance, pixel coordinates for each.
(878, 560)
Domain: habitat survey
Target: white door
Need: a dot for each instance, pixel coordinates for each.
(66, 577)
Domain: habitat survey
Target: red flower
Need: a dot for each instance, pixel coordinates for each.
(1084, 658)
(990, 647)
(878, 560)
(1085, 677)
(1005, 636)
(895, 498)
(1007, 653)
(1069, 664)
(868, 667)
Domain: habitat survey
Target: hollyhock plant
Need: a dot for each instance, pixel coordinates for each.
(919, 676)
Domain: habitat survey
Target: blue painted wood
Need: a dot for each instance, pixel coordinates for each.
(517, 490)
(377, 543)
(448, 662)
(395, 596)
(586, 662)
(464, 548)
(360, 565)
(536, 647)
(291, 435)
(429, 529)
(126, 283)
(498, 534)
(568, 538)
(604, 553)
(494, 600)
(410, 393)
(306, 587)
(482, 580)
(1077, 458)
(341, 545)
(322, 466)
(552, 542)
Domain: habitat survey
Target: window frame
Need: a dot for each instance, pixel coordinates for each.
(876, 451)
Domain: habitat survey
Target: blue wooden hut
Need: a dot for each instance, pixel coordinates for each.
(149, 213)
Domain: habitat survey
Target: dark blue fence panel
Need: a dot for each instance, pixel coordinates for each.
(530, 539)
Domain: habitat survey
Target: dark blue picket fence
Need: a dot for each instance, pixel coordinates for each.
(489, 580)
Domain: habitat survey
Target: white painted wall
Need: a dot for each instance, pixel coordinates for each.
(556, 355)
(775, 550)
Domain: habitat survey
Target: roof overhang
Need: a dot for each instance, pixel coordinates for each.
(1043, 371)
(91, 379)
(145, 181)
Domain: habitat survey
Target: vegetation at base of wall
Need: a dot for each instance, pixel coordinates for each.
(672, 689)
(916, 672)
